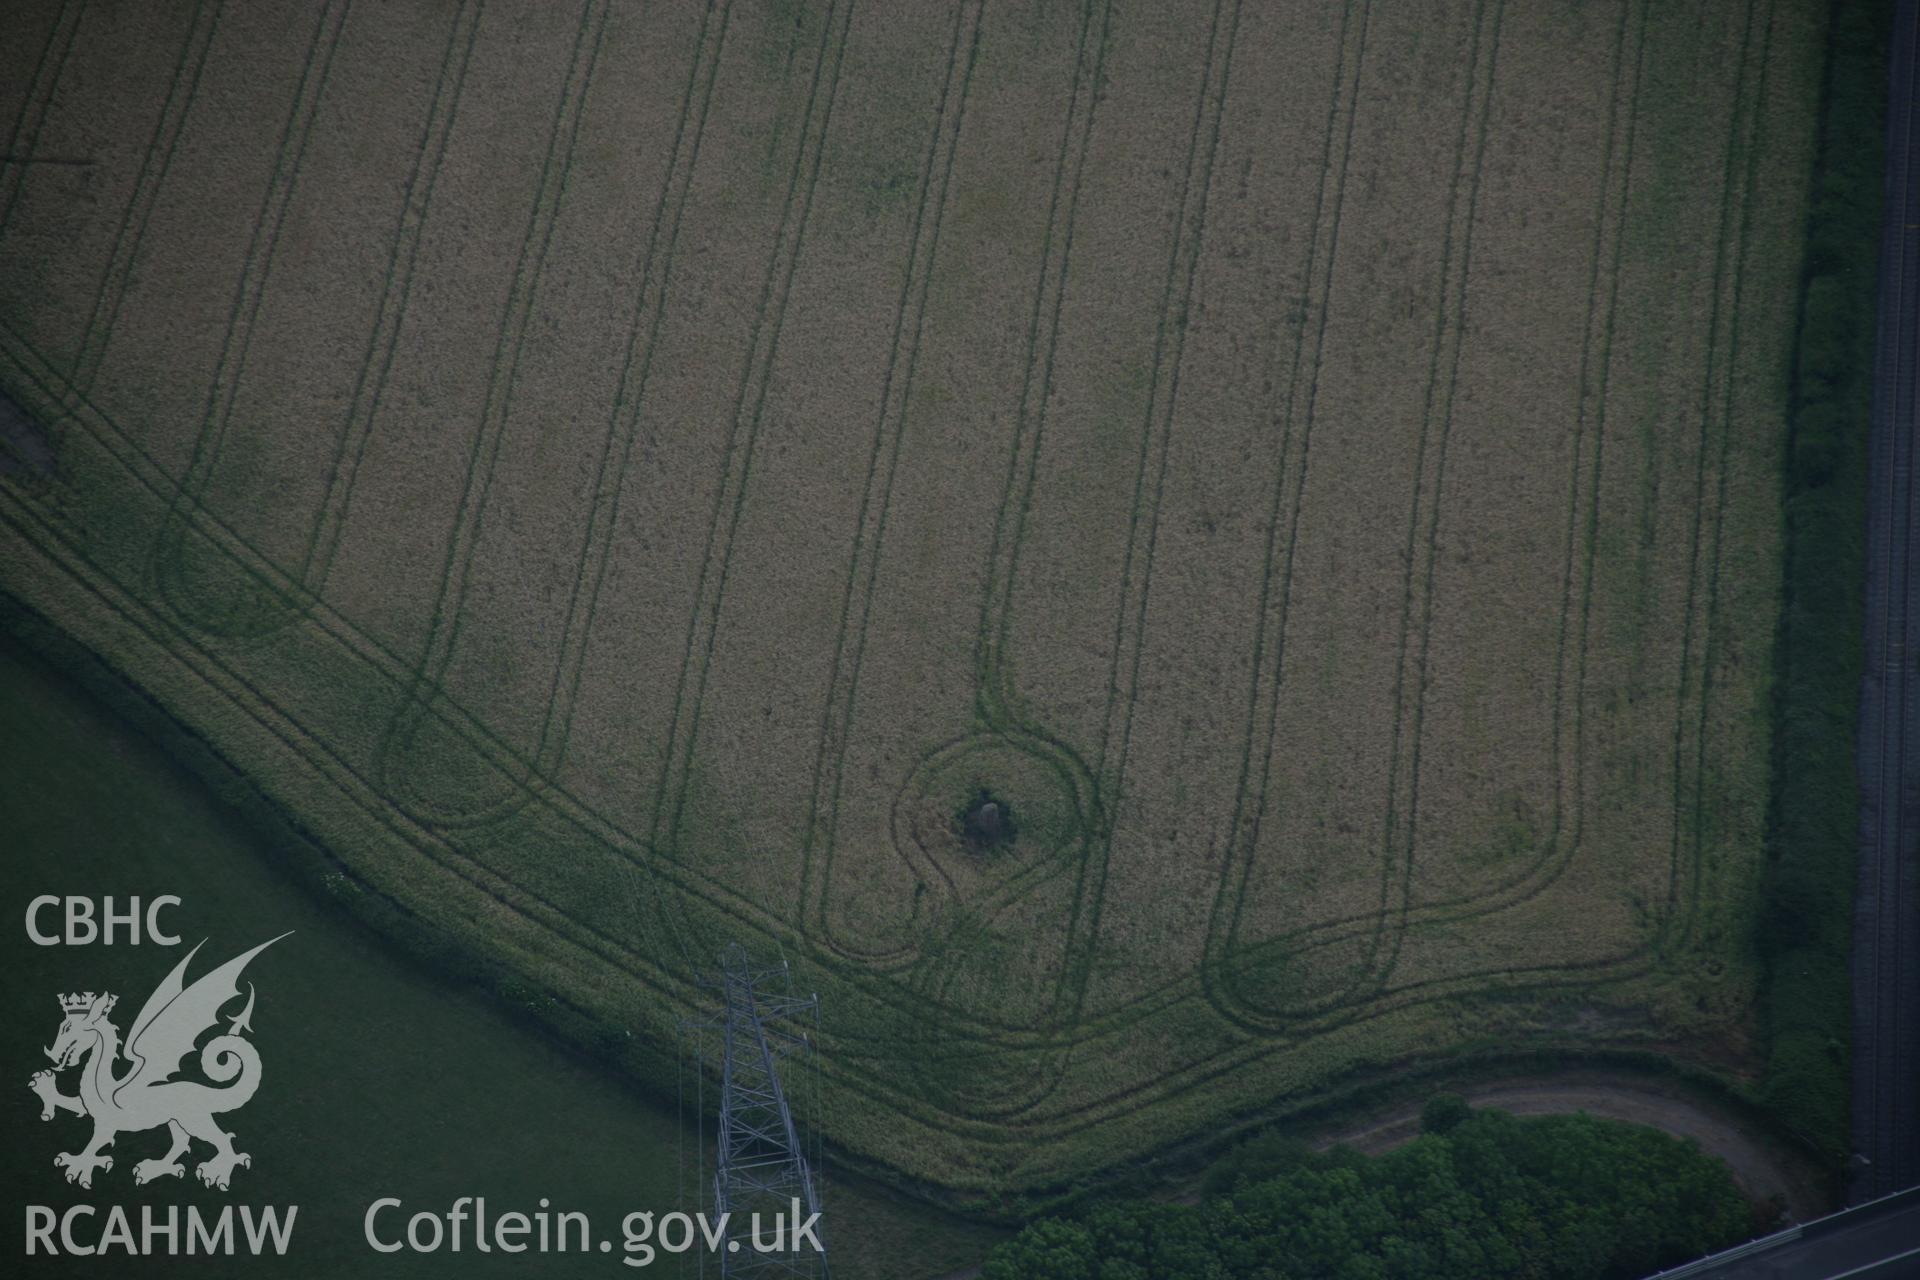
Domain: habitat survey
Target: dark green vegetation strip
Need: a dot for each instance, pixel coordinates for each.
(1481, 1193)
(370, 1065)
(1805, 921)
(394, 1069)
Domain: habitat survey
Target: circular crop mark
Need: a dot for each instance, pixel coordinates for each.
(992, 804)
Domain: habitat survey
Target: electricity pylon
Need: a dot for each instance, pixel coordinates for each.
(761, 1166)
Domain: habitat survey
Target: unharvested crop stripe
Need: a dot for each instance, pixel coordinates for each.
(376, 364)
(1156, 434)
(923, 245)
(1036, 388)
(263, 242)
(1410, 686)
(1263, 695)
(744, 429)
(112, 292)
(444, 626)
(629, 404)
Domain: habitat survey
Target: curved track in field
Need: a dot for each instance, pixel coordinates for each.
(1765, 1172)
(1886, 960)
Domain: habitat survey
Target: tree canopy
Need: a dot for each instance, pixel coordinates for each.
(1481, 1194)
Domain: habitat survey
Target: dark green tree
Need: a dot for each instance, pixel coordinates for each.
(1555, 1198)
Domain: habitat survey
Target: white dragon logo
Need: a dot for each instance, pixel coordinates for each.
(146, 1097)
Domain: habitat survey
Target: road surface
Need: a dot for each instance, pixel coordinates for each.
(1886, 946)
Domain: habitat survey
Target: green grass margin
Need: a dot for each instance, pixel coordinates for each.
(442, 954)
(1804, 925)
(1359, 1096)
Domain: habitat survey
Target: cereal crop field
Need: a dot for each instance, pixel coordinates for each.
(631, 476)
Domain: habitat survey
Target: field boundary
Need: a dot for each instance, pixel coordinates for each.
(507, 883)
(1806, 930)
(1354, 1103)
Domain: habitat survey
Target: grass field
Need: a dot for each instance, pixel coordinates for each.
(378, 1074)
(625, 477)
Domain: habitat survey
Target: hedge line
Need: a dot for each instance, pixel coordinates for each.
(1480, 1193)
(1806, 915)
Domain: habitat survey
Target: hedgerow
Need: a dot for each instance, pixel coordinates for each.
(1484, 1194)
(1805, 922)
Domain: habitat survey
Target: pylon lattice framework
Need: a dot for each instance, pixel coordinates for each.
(761, 1164)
